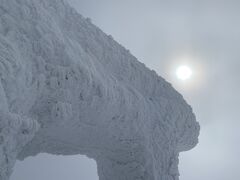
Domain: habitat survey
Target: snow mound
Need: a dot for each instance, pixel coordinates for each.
(67, 88)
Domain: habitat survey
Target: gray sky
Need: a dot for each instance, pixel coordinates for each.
(159, 33)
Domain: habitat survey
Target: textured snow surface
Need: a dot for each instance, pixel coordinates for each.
(67, 88)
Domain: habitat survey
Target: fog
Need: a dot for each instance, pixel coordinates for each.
(160, 33)
(52, 167)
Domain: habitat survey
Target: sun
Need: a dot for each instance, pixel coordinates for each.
(184, 72)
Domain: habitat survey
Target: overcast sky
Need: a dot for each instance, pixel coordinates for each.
(160, 33)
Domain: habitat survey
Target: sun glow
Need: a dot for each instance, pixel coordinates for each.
(184, 72)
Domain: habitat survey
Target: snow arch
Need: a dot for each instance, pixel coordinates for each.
(67, 88)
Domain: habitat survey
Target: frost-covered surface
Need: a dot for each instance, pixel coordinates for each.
(67, 88)
(15, 132)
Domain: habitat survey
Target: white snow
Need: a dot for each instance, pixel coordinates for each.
(67, 88)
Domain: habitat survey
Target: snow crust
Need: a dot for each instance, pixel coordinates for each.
(68, 88)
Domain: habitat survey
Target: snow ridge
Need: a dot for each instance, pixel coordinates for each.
(68, 88)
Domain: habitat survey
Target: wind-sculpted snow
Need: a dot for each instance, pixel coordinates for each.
(67, 88)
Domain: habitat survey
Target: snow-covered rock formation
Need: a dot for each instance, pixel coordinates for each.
(67, 88)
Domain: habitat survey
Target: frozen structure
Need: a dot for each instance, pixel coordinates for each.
(67, 88)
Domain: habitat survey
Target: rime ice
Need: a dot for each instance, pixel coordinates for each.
(67, 88)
